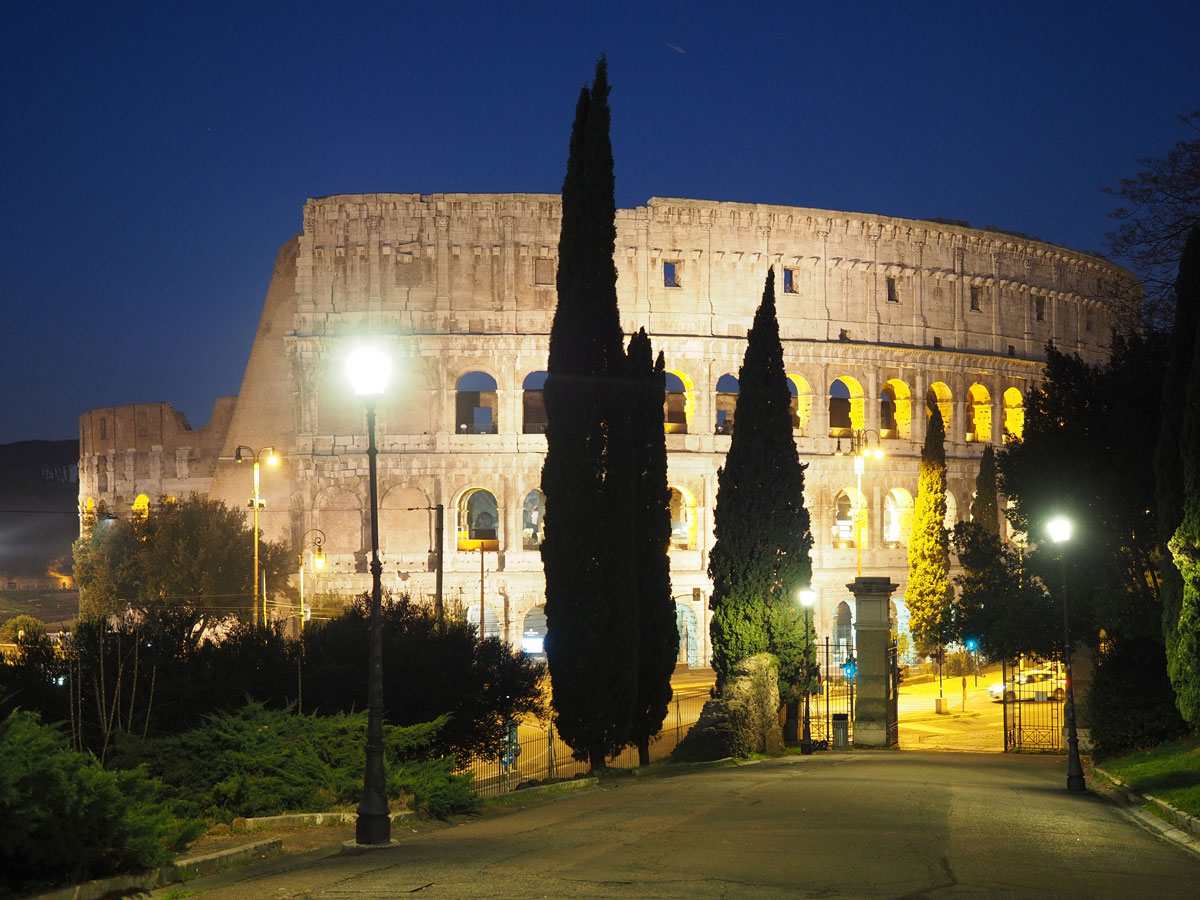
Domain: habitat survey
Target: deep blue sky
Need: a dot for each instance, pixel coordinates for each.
(156, 155)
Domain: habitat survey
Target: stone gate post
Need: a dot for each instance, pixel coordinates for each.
(872, 711)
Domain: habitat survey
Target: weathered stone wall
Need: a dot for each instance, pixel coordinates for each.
(464, 283)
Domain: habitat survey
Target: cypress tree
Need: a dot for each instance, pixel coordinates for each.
(928, 592)
(587, 477)
(760, 557)
(985, 511)
(658, 637)
(1177, 467)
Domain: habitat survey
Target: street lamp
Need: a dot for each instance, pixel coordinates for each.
(316, 543)
(368, 369)
(807, 598)
(1059, 529)
(860, 449)
(256, 504)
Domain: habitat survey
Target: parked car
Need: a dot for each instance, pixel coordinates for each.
(1038, 684)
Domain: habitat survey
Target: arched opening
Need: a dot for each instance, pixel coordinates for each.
(491, 624)
(338, 410)
(895, 411)
(849, 520)
(533, 632)
(475, 404)
(689, 635)
(405, 524)
(141, 508)
(845, 407)
(801, 402)
(478, 521)
(727, 394)
(683, 520)
(897, 518)
(533, 520)
(338, 514)
(951, 512)
(843, 634)
(679, 403)
(1014, 415)
(533, 403)
(939, 393)
(979, 414)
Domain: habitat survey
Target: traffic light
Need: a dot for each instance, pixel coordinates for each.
(972, 644)
(850, 667)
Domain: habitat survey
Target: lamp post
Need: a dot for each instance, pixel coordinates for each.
(368, 369)
(256, 504)
(316, 543)
(860, 449)
(807, 599)
(1060, 532)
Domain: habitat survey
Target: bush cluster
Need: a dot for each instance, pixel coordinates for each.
(64, 818)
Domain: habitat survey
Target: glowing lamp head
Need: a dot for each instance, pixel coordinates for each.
(808, 597)
(319, 559)
(368, 369)
(1059, 529)
(272, 459)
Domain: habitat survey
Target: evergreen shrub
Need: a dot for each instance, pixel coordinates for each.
(65, 819)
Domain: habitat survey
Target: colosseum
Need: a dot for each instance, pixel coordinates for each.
(877, 315)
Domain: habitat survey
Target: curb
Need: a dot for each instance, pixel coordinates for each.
(1180, 828)
(290, 820)
(183, 869)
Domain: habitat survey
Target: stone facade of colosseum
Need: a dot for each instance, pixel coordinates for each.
(876, 314)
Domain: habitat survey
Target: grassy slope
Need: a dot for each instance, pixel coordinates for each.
(1170, 772)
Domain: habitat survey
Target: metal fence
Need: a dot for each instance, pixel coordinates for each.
(1033, 706)
(545, 756)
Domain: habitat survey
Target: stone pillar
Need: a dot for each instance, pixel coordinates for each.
(874, 714)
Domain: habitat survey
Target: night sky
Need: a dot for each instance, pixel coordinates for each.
(157, 155)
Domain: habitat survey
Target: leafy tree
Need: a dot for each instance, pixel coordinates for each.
(195, 554)
(984, 508)
(588, 477)
(760, 558)
(658, 636)
(929, 593)
(1178, 470)
(21, 627)
(1161, 206)
(999, 604)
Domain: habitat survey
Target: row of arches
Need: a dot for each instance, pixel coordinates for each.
(476, 406)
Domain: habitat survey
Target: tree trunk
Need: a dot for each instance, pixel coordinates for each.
(643, 751)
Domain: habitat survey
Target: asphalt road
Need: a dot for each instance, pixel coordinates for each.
(861, 824)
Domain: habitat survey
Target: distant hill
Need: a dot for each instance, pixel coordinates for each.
(39, 497)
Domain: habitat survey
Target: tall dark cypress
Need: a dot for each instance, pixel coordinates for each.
(591, 639)
(658, 637)
(984, 509)
(760, 558)
(1177, 469)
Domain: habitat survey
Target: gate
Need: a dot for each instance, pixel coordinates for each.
(893, 698)
(832, 694)
(1034, 692)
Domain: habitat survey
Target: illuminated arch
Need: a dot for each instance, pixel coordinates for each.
(683, 519)
(491, 624)
(848, 509)
(475, 404)
(680, 403)
(939, 393)
(979, 414)
(846, 413)
(951, 512)
(895, 411)
(533, 631)
(897, 517)
(478, 520)
(1014, 415)
(727, 394)
(141, 508)
(533, 520)
(801, 402)
(533, 403)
